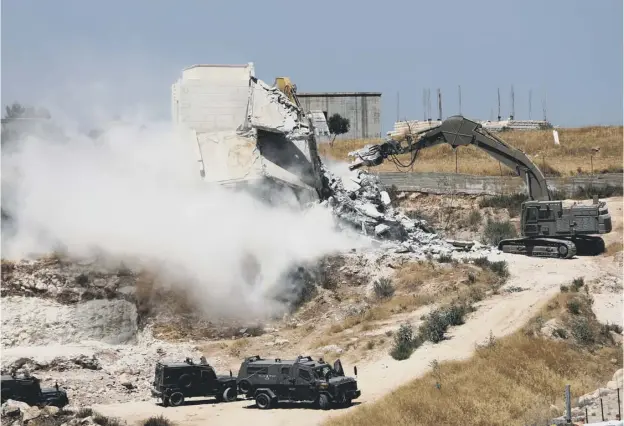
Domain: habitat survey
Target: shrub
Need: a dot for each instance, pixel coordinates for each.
(563, 288)
(404, 343)
(383, 288)
(157, 421)
(370, 345)
(587, 192)
(613, 327)
(560, 332)
(582, 331)
(438, 321)
(482, 262)
(84, 412)
(445, 258)
(472, 278)
(574, 306)
(496, 231)
(500, 268)
(107, 421)
(577, 283)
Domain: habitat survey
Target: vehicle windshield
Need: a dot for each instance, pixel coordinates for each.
(322, 371)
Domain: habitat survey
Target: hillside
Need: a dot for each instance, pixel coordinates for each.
(572, 156)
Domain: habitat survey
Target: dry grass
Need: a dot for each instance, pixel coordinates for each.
(572, 155)
(421, 283)
(516, 379)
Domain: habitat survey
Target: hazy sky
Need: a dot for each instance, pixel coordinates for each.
(96, 59)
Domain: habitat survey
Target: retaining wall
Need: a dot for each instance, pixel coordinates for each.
(452, 183)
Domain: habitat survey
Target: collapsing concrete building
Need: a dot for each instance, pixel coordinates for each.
(247, 134)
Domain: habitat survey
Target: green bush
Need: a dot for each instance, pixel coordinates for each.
(437, 322)
(445, 258)
(577, 283)
(563, 288)
(560, 332)
(107, 421)
(574, 306)
(383, 288)
(496, 231)
(84, 413)
(582, 331)
(482, 262)
(157, 421)
(500, 268)
(588, 192)
(474, 218)
(404, 343)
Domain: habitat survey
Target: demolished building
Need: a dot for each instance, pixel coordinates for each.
(247, 134)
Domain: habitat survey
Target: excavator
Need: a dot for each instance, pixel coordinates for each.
(548, 228)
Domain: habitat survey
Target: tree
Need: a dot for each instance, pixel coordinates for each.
(338, 125)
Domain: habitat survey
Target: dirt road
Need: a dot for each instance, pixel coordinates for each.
(500, 315)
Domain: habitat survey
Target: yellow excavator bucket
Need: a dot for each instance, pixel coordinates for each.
(288, 88)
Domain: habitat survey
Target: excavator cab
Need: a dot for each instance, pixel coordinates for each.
(288, 88)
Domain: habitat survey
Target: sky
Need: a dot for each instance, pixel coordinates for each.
(92, 60)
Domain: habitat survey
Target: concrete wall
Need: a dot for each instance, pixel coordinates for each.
(363, 109)
(449, 183)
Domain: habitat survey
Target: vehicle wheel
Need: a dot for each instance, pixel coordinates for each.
(229, 394)
(165, 401)
(563, 250)
(263, 401)
(323, 402)
(244, 386)
(348, 402)
(176, 399)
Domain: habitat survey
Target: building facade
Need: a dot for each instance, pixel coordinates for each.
(363, 109)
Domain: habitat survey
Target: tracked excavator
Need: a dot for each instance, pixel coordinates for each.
(548, 228)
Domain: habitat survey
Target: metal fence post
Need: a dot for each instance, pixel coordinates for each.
(619, 406)
(568, 405)
(601, 410)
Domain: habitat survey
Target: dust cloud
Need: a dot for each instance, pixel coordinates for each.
(135, 195)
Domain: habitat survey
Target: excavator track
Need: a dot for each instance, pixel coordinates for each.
(539, 247)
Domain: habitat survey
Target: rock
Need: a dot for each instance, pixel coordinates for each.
(370, 211)
(124, 381)
(50, 410)
(331, 348)
(31, 413)
(381, 228)
(280, 342)
(14, 408)
(385, 198)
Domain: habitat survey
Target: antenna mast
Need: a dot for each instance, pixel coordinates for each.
(439, 105)
(513, 104)
(459, 90)
(499, 116)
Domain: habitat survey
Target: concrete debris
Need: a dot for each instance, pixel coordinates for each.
(367, 208)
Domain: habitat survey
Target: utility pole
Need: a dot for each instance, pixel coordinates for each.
(439, 105)
(513, 104)
(424, 103)
(499, 116)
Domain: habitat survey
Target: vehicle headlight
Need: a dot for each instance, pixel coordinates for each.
(323, 385)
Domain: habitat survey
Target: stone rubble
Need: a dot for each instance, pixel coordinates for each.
(363, 204)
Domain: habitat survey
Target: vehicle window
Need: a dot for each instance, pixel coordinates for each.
(546, 214)
(321, 372)
(257, 370)
(305, 375)
(285, 370)
(532, 214)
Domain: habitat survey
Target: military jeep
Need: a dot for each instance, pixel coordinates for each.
(173, 382)
(271, 381)
(29, 390)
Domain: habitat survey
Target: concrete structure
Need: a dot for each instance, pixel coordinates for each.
(451, 183)
(246, 134)
(363, 109)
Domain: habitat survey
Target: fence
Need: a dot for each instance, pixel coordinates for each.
(452, 183)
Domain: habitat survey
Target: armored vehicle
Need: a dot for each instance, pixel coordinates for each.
(29, 390)
(173, 382)
(270, 381)
(548, 228)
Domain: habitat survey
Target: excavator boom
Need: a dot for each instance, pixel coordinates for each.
(548, 228)
(459, 131)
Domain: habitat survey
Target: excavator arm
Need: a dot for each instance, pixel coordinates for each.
(459, 131)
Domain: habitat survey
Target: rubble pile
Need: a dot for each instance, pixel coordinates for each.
(95, 372)
(18, 413)
(363, 204)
